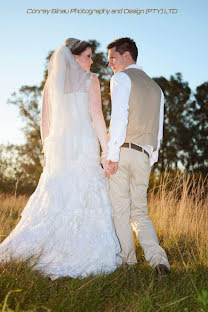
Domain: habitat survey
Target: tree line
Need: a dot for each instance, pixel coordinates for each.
(184, 145)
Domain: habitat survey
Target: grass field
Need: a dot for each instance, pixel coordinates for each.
(178, 208)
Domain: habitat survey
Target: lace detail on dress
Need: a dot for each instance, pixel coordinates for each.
(67, 223)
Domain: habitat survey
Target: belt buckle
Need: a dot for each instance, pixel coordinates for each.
(129, 145)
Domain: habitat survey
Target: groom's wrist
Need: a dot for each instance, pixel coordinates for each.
(113, 155)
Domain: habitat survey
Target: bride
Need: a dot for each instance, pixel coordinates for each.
(66, 226)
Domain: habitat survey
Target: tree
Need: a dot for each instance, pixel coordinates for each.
(200, 129)
(177, 136)
(100, 66)
(29, 154)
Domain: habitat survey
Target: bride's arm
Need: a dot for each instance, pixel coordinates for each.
(96, 113)
(45, 120)
(44, 124)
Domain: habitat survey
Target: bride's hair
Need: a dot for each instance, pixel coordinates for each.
(77, 46)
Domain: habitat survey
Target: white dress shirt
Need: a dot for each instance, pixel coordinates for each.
(120, 87)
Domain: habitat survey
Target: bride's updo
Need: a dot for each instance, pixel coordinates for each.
(77, 46)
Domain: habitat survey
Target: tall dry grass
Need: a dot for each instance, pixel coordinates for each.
(178, 208)
(10, 210)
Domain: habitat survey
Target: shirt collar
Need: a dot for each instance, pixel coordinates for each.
(134, 66)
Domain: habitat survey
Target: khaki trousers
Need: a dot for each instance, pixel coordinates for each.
(128, 193)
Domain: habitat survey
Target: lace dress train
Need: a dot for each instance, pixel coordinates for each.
(67, 224)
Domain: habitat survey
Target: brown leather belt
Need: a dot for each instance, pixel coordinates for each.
(134, 146)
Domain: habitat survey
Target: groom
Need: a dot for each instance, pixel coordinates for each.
(135, 133)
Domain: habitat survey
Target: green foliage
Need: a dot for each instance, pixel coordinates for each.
(100, 67)
(202, 299)
(200, 128)
(184, 142)
(28, 155)
(176, 138)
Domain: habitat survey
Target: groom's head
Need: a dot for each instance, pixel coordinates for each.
(122, 53)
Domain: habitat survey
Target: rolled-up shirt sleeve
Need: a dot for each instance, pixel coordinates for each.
(120, 87)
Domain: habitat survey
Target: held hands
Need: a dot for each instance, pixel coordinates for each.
(110, 167)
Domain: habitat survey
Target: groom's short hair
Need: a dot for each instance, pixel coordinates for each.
(125, 44)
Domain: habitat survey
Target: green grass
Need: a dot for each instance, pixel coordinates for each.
(126, 289)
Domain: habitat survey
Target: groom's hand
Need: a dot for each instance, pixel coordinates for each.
(110, 168)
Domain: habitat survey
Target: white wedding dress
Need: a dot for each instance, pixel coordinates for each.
(67, 223)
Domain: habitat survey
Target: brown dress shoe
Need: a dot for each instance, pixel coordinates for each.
(161, 270)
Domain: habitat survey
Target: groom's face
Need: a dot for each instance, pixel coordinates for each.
(116, 61)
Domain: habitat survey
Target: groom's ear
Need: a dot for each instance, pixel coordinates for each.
(127, 54)
(129, 57)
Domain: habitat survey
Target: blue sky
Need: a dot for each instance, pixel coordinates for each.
(167, 43)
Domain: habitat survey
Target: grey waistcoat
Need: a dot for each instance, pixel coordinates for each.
(144, 109)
